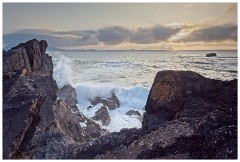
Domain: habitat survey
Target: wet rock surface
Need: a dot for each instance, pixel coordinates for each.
(111, 102)
(103, 115)
(68, 94)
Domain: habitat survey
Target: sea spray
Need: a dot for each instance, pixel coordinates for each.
(62, 71)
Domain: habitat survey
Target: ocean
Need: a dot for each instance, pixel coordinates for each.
(130, 74)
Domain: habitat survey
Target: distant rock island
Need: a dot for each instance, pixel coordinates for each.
(211, 55)
(187, 116)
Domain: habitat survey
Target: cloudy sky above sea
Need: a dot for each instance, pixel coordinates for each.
(152, 26)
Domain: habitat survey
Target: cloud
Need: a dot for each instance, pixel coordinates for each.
(231, 7)
(113, 35)
(117, 35)
(211, 34)
(108, 36)
(155, 34)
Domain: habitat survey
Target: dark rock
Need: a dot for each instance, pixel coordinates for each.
(103, 115)
(93, 130)
(161, 138)
(133, 112)
(185, 94)
(207, 105)
(30, 55)
(25, 106)
(67, 121)
(89, 107)
(151, 122)
(112, 102)
(137, 113)
(68, 94)
(211, 55)
(103, 144)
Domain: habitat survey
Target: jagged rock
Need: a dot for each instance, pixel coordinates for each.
(93, 130)
(211, 55)
(30, 55)
(68, 94)
(112, 102)
(29, 92)
(103, 115)
(68, 122)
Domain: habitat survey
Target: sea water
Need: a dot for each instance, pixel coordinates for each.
(130, 74)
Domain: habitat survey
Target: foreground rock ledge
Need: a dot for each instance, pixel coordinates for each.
(187, 116)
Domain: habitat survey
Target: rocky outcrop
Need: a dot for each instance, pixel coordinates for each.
(103, 115)
(211, 55)
(32, 114)
(208, 106)
(111, 102)
(68, 94)
(28, 94)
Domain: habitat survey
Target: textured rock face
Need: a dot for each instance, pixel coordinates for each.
(68, 94)
(103, 115)
(30, 55)
(29, 92)
(209, 106)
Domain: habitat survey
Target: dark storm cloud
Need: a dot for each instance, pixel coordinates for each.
(113, 35)
(211, 34)
(155, 34)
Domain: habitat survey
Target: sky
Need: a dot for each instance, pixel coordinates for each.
(116, 26)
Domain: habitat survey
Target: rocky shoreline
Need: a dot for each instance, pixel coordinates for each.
(187, 116)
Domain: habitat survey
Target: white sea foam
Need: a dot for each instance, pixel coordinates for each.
(131, 98)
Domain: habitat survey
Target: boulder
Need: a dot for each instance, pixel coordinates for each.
(136, 113)
(112, 102)
(68, 94)
(133, 112)
(103, 115)
(186, 94)
(211, 55)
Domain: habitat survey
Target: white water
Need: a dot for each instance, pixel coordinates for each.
(130, 74)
